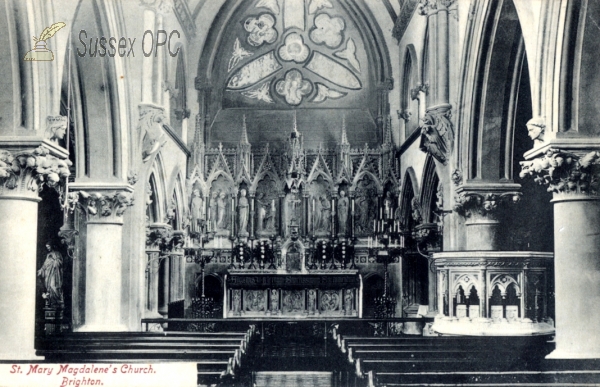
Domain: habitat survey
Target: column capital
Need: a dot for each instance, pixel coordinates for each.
(158, 235)
(482, 201)
(102, 204)
(565, 173)
(26, 166)
(431, 7)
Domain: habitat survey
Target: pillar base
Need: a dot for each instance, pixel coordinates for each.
(103, 328)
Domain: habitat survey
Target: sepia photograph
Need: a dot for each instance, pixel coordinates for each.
(298, 193)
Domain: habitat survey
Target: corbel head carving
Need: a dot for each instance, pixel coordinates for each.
(536, 129)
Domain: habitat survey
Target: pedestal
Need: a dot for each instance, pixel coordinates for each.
(103, 278)
(18, 225)
(482, 234)
(577, 278)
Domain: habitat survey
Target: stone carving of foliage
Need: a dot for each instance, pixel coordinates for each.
(261, 30)
(328, 30)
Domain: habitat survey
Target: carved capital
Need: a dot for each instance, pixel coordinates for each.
(105, 206)
(158, 236)
(437, 133)
(414, 92)
(25, 172)
(565, 173)
(428, 235)
(56, 128)
(429, 7)
(483, 205)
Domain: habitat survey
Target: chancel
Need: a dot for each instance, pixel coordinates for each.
(305, 192)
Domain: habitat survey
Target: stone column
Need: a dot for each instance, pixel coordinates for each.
(157, 236)
(104, 205)
(24, 167)
(479, 204)
(572, 177)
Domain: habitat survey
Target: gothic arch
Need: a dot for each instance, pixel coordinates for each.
(157, 172)
(408, 193)
(491, 81)
(101, 94)
(429, 189)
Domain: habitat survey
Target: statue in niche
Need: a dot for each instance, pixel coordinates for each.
(294, 206)
(222, 211)
(266, 213)
(196, 211)
(342, 212)
(243, 207)
(274, 300)
(312, 298)
(52, 275)
(348, 302)
(366, 206)
(213, 210)
(388, 205)
(325, 223)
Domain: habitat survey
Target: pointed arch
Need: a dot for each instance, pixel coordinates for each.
(429, 189)
(409, 191)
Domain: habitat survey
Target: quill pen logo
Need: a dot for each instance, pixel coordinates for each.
(40, 52)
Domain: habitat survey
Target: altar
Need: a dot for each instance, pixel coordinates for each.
(292, 295)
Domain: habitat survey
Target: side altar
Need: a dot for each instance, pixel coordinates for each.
(296, 295)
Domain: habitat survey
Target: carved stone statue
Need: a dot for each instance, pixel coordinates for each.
(56, 127)
(325, 214)
(342, 212)
(348, 305)
(52, 274)
(266, 213)
(213, 210)
(196, 211)
(222, 211)
(536, 129)
(388, 205)
(274, 301)
(243, 208)
(312, 299)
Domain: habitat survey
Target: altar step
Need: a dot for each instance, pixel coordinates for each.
(292, 379)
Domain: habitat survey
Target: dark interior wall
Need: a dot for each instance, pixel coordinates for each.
(528, 224)
(587, 84)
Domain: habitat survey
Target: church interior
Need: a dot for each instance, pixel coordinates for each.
(304, 192)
